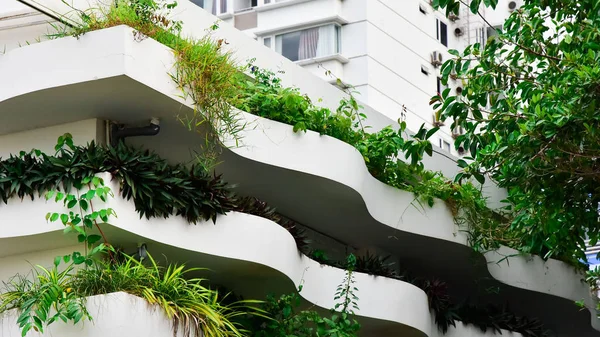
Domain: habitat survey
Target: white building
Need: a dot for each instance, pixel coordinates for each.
(390, 51)
(83, 85)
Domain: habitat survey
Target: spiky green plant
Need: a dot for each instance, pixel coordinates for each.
(192, 306)
(195, 309)
(45, 299)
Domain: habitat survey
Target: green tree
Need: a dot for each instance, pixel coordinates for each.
(529, 108)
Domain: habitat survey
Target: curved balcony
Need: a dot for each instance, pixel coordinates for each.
(316, 180)
(250, 254)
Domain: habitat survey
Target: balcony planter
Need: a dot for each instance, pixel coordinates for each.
(115, 314)
(314, 179)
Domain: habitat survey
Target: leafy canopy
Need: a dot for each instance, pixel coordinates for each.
(529, 108)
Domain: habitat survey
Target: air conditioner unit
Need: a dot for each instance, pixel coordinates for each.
(512, 5)
(437, 59)
(458, 31)
(453, 17)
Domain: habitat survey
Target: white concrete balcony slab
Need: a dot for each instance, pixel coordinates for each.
(252, 255)
(316, 180)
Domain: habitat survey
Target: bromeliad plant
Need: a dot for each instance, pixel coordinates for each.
(188, 192)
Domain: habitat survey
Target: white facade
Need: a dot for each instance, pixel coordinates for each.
(384, 48)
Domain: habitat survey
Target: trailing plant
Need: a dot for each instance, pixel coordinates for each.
(204, 72)
(83, 218)
(289, 320)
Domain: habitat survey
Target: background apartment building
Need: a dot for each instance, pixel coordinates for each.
(390, 51)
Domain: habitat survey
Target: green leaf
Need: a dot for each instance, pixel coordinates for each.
(83, 204)
(93, 238)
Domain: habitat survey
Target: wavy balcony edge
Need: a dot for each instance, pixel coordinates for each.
(115, 53)
(235, 236)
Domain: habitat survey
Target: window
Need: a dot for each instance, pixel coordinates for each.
(480, 36)
(215, 7)
(440, 86)
(442, 32)
(267, 42)
(493, 31)
(309, 43)
(444, 145)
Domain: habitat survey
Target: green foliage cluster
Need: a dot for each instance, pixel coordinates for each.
(204, 72)
(447, 312)
(288, 319)
(44, 300)
(158, 189)
(208, 76)
(266, 97)
(529, 110)
(263, 95)
(56, 295)
(194, 308)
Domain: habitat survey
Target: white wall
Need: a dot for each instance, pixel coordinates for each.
(24, 264)
(8, 6)
(44, 139)
(20, 25)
